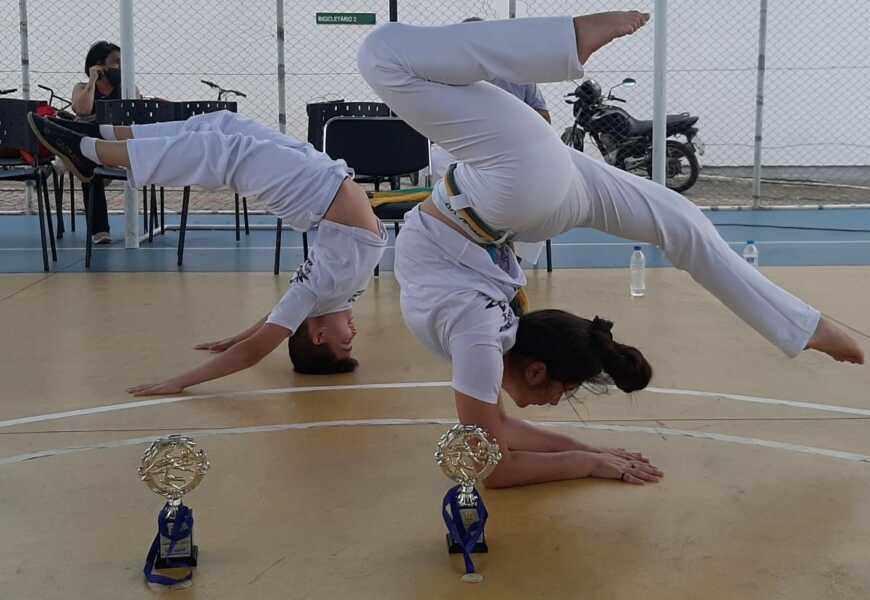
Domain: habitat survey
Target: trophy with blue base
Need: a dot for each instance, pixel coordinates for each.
(172, 467)
(467, 454)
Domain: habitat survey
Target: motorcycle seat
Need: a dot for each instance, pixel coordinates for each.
(676, 123)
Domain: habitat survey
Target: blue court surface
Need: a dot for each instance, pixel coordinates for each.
(796, 237)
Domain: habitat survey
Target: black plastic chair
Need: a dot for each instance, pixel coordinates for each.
(15, 132)
(380, 147)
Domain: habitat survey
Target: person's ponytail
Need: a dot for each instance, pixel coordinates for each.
(624, 364)
(576, 350)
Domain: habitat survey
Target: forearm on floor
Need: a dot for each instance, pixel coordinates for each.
(522, 435)
(518, 468)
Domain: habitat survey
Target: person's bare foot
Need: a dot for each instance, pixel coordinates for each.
(594, 31)
(836, 343)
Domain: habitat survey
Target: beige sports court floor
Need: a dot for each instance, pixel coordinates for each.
(766, 493)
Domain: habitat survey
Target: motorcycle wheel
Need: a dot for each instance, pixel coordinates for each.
(680, 159)
(681, 156)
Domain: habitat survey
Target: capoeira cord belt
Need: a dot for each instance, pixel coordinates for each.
(491, 239)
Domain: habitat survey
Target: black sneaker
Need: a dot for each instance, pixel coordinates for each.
(64, 143)
(88, 129)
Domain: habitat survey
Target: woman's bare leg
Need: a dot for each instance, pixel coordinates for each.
(113, 154)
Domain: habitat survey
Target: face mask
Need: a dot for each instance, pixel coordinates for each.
(113, 76)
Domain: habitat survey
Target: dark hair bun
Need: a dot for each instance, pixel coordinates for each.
(576, 350)
(626, 365)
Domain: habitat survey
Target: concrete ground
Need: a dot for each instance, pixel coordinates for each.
(312, 494)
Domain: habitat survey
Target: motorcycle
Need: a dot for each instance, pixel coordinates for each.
(626, 142)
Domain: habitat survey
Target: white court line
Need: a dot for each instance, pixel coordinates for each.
(702, 435)
(172, 400)
(391, 386)
(757, 400)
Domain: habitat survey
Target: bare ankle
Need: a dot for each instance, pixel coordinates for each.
(112, 154)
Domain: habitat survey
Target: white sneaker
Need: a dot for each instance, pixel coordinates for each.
(102, 237)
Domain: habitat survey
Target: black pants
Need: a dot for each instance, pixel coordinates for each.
(100, 209)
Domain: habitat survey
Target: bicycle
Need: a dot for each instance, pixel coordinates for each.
(222, 91)
(62, 111)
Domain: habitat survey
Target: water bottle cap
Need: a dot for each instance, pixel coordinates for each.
(637, 247)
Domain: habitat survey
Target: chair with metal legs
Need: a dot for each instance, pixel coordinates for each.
(279, 227)
(72, 198)
(15, 133)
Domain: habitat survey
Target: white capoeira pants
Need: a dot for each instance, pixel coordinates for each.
(295, 181)
(518, 176)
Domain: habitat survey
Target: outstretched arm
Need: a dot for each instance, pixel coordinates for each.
(226, 343)
(525, 436)
(522, 435)
(241, 356)
(523, 467)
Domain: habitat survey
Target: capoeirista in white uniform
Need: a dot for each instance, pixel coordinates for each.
(522, 181)
(294, 180)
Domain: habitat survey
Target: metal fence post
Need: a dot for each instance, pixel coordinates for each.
(128, 90)
(660, 92)
(25, 83)
(282, 98)
(759, 105)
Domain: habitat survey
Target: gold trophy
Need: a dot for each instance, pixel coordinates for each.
(172, 467)
(467, 454)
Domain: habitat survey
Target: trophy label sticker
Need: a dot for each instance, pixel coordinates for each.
(182, 547)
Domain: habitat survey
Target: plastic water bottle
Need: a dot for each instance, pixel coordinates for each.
(750, 253)
(638, 266)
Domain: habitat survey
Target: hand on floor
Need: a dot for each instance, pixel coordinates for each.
(155, 389)
(218, 346)
(623, 453)
(628, 470)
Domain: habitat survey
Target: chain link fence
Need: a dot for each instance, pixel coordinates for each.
(321, 58)
(817, 73)
(814, 147)
(176, 45)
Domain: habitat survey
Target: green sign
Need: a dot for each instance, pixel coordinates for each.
(346, 18)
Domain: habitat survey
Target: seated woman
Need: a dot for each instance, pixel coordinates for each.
(516, 181)
(103, 68)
